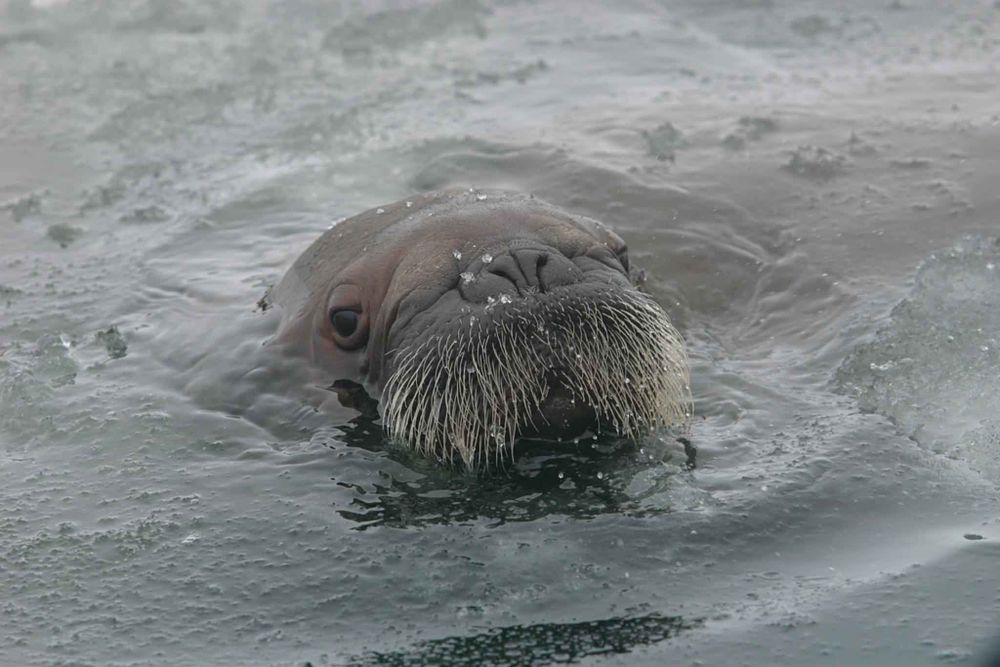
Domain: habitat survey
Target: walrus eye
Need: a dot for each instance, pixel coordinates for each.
(345, 322)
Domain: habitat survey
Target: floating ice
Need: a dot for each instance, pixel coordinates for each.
(934, 369)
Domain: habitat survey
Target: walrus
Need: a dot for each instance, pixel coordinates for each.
(476, 318)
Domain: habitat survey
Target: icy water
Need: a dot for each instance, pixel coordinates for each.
(813, 189)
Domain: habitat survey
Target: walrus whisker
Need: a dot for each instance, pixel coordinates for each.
(471, 395)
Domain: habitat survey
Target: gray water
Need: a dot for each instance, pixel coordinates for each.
(812, 188)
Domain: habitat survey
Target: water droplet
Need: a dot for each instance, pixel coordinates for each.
(456, 254)
(481, 197)
(600, 475)
(487, 258)
(505, 298)
(627, 381)
(467, 277)
(380, 210)
(562, 475)
(409, 204)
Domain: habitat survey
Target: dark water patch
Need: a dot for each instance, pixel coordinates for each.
(520, 74)
(663, 140)
(860, 146)
(749, 128)
(912, 163)
(8, 294)
(102, 196)
(64, 234)
(539, 644)
(113, 342)
(24, 206)
(145, 215)
(991, 657)
(811, 26)
(815, 163)
(578, 480)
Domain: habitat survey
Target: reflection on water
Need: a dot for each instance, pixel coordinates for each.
(541, 644)
(572, 480)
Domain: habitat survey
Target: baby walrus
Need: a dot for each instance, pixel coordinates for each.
(476, 318)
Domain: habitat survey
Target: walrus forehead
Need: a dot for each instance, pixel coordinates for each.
(415, 237)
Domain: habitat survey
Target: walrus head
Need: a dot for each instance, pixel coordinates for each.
(475, 318)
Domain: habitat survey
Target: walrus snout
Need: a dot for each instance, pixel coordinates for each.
(520, 270)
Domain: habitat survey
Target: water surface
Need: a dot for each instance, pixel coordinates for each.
(811, 188)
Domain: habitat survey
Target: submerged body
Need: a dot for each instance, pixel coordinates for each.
(475, 318)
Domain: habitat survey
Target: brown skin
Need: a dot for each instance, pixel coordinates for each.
(399, 268)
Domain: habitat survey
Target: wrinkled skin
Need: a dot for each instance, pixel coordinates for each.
(432, 264)
(400, 268)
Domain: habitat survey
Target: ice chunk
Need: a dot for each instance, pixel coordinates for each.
(935, 368)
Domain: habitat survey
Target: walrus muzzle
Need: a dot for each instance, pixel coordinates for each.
(543, 347)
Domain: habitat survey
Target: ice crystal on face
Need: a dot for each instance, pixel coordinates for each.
(487, 258)
(466, 277)
(456, 254)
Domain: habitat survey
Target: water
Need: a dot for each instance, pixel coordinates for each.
(810, 187)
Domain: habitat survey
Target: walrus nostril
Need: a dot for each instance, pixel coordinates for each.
(545, 270)
(556, 271)
(509, 269)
